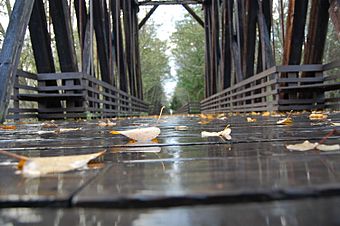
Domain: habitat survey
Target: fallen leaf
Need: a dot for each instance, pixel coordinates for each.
(251, 119)
(335, 123)
(181, 128)
(50, 124)
(39, 166)
(286, 121)
(224, 133)
(8, 127)
(266, 114)
(108, 122)
(140, 134)
(35, 167)
(324, 147)
(255, 113)
(317, 116)
(305, 146)
(66, 130)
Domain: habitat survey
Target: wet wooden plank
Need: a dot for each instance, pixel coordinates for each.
(294, 213)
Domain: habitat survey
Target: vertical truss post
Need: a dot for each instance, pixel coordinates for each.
(11, 49)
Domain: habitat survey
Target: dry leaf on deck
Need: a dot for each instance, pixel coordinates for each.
(251, 119)
(66, 130)
(286, 121)
(35, 167)
(106, 123)
(324, 147)
(266, 114)
(224, 133)
(335, 123)
(181, 128)
(305, 146)
(8, 127)
(317, 116)
(39, 166)
(140, 134)
(50, 124)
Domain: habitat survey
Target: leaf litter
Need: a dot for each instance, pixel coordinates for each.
(224, 133)
(306, 145)
(40, 166)
(141, 134)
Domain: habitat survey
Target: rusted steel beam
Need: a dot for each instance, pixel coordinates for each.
(100, 22)
(170, 2)
(193, 14)
(207, 52)
(119, 44)
(251, 8)
(81, 14)
(42, 51)
(40, 39)
(317, 32)
(63, 35)
(265, 58)
(10, 52)
(147, 16)
(295, 35)
(225, 51)
(334, 12)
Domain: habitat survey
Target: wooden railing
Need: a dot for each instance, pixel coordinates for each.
(77, 95)
(190, 108)
(280, 88)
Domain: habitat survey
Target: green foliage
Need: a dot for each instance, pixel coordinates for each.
(154, 66)
(188, 52)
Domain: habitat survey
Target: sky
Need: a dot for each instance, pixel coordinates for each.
(166, 16)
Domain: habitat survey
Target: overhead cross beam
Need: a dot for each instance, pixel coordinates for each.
(170, 2)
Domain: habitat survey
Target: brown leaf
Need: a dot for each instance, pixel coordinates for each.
(8, 127)
(140, 134)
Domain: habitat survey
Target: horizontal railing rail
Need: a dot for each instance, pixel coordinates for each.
(80, 95)
(281, 88)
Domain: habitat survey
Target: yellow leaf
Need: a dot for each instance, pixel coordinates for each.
(286, 121)
(254, 113)
(140, 134)
(35, 167)
(266, 114)
(317, 116)
(305, 146)
(8, 127)
(251, 119)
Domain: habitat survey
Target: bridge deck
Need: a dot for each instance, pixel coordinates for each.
(250, 180)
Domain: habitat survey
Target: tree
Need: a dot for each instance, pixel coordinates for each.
(188, 51)
(154, 66)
